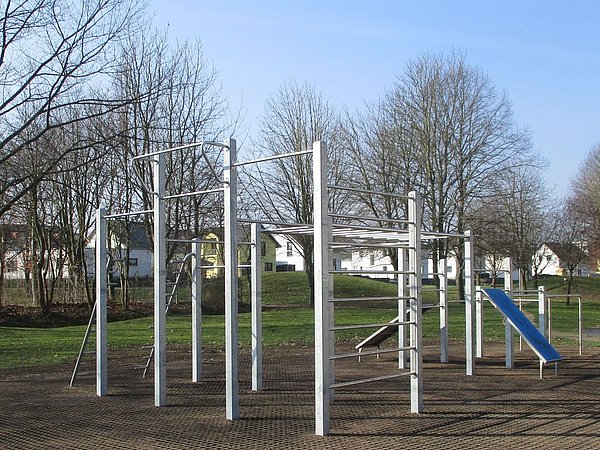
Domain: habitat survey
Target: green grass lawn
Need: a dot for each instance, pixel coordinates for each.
(290, 323)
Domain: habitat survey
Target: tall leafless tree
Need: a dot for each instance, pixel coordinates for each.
(585, 200)
(54, 55)
(295, 117)
(458, 132)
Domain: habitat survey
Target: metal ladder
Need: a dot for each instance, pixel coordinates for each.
(170, 296)
(91, 329)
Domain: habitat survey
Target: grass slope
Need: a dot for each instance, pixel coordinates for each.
(288, 321)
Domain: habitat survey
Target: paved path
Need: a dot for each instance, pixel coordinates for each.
(497, 408)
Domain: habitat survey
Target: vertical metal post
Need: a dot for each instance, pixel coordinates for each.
(321, 290)
(231, 281)
(402, 303)
(414, 283)
(550, 319)
(508, 329)
(580, 329)
(542, 310)
(197, 312)
(469, 305)
(160, 284)
(256, 280)
(443, 299)
(479, 321)
(101, 305)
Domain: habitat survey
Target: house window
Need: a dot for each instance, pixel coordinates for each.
(211, 249)
(540, 258)
(263, 249)
(11, 265)
(385, 268)
(268, 267)
(549, 258)
(289, 249)
(450, 269)
(372, 260)
(133, 262)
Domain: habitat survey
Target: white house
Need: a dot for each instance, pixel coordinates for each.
(140, 257)
(287, 255)
(552, 259)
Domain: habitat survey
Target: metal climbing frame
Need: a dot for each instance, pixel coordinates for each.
(327, 236)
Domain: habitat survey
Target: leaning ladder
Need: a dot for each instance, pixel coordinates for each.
(170, 296)
(91, 329)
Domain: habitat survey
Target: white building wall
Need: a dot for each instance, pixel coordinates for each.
(287, 253)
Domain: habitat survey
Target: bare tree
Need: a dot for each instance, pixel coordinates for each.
(572, 241)
(527, 215)
(457, 134)
(294, 118)
(585, 200)
(55, 54)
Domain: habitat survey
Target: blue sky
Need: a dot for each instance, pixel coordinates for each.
(545, 55)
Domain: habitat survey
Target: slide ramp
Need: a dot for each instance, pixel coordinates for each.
(386, 332)
(538, 343)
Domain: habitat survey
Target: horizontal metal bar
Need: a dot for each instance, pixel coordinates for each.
(127, 214)
(191, 194)
(363, 191)
(370, 325)
(376, 272)
(370, 228)
(563, 295)
(181, 147)
(194, 241)
(271, 158)
(369, 380)
(492, 270)
(525, 291)
(426, 234)
(370, 352)
(367, 299)
(373, 219)
(432, 273)
(367, 245)
(271, 222)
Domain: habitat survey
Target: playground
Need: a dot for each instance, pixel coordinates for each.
(512, 408)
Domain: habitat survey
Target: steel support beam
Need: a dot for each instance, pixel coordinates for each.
(256, 301)
(101, 306)
(231, 282)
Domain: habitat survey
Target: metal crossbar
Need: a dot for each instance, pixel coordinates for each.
(368, 299)
(191, 194)
(271, 158)
(369, 353)
(370, 325)
(369, 380)
(362, 191)
(128, 214)
(370, 219)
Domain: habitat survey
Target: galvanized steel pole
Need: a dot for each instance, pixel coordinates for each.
(101, 306)
(415, 304)
(160, 283)
(256, 294)
(197, 312)
(231, 281)
(469, 305)
(321, 290)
